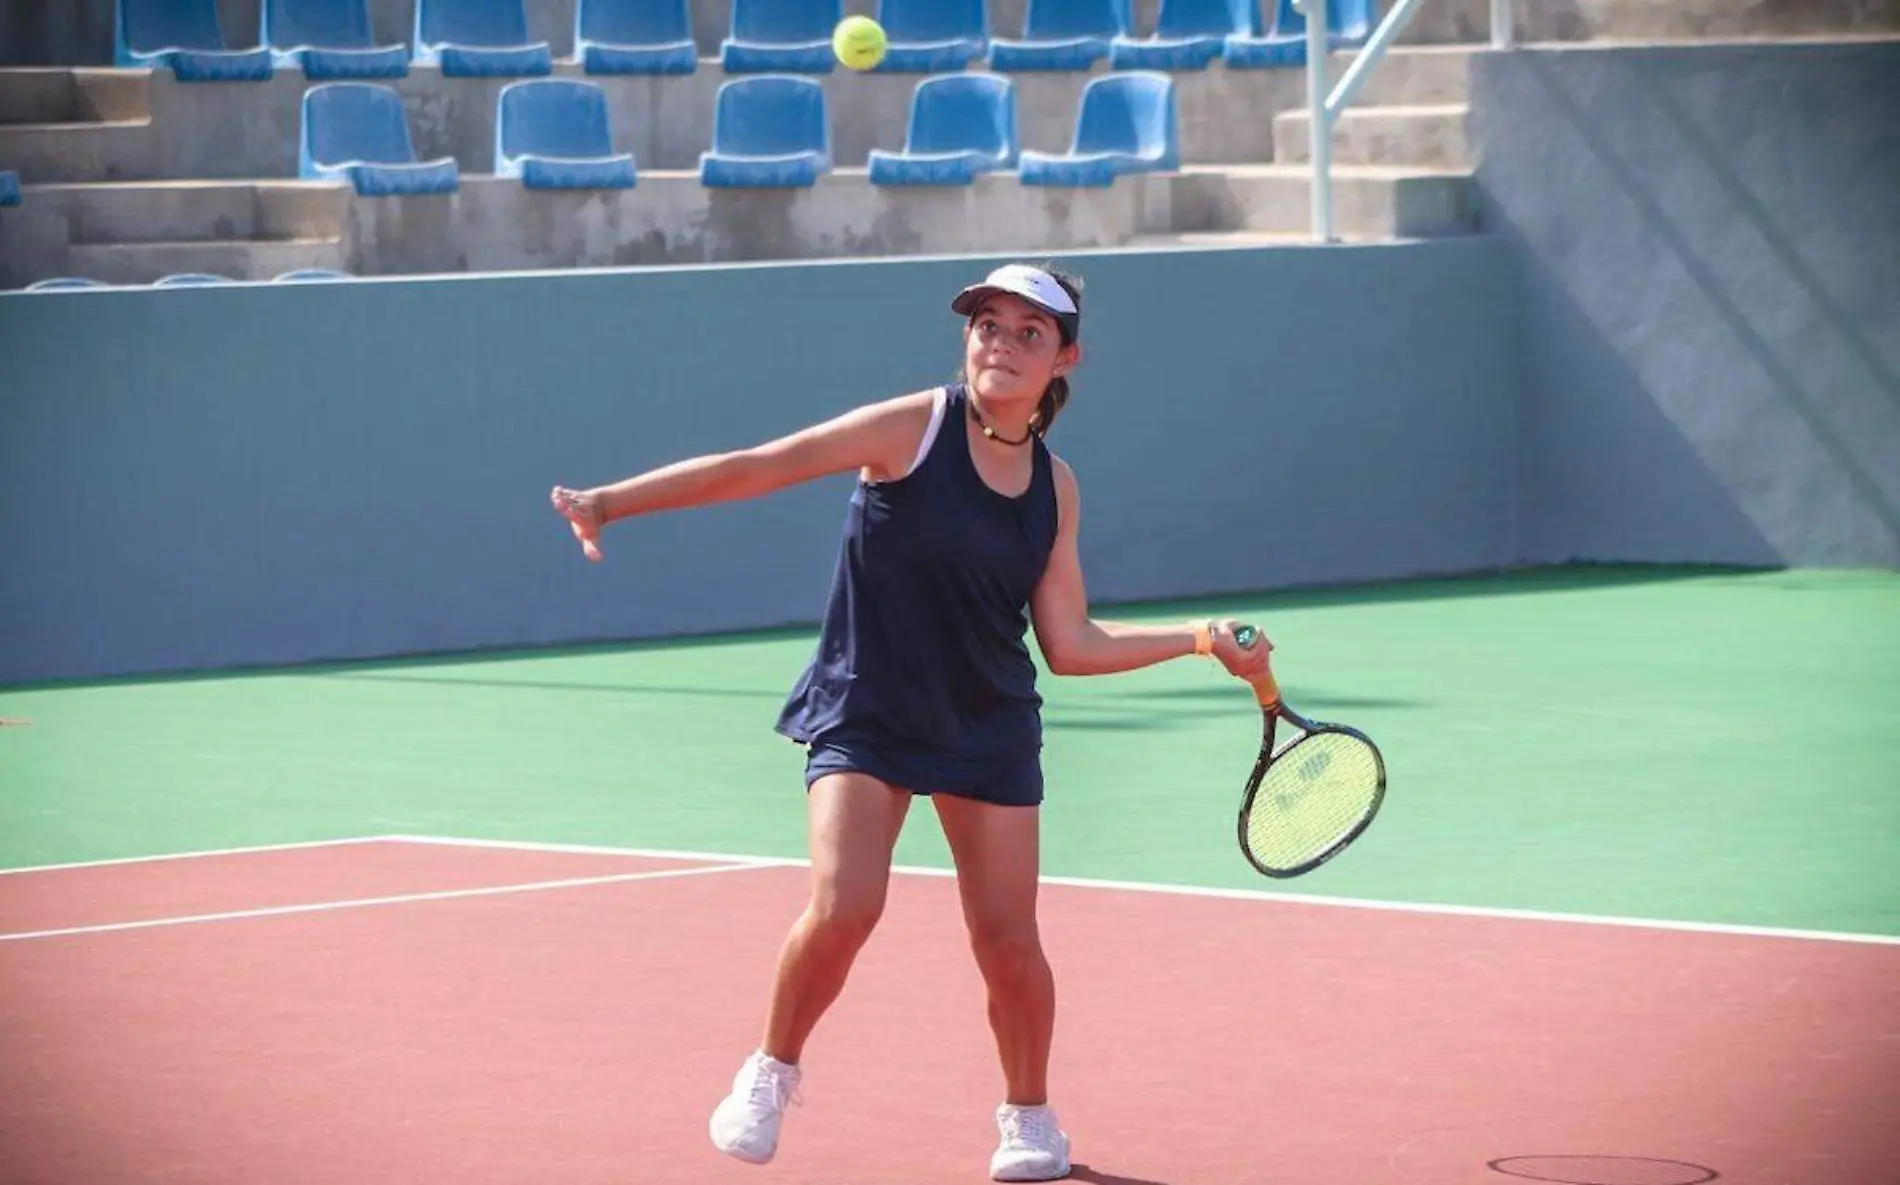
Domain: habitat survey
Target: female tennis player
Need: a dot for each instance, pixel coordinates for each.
(962, 525)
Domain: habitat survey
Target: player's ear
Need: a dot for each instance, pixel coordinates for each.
(1068, 358)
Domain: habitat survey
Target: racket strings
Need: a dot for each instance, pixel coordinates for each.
(1314, 794)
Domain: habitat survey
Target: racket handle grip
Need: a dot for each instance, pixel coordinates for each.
(1265, 688)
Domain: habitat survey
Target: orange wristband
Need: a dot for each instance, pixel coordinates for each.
(1203, 638)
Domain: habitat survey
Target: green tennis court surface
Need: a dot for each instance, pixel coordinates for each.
(1651, 743)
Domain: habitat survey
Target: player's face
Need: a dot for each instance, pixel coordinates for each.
(1011, 349)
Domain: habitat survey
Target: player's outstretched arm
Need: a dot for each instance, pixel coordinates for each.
(1073, 643)
(878, 439)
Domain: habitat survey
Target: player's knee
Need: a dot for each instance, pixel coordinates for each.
(1007, 950)
(846, 919)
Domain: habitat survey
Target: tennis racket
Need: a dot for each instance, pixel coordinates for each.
(1312, 797)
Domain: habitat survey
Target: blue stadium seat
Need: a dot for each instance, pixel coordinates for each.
(479, 39)
(1349, 23)
(635, 37)
(329, 39)
(768, 131)
(1283, 42)
(960, 125)
(770, 36)
(552, 133)
(1128, 124)
(310, 275)
(66, 284)
(357, 132)
(1061, 35)
(932, 36)
(186, 36)
(190, 280)
(1189, 34)
(9, 188)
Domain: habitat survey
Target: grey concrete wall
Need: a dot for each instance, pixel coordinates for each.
(1535, 21)
(1708, 243)
(202, 477)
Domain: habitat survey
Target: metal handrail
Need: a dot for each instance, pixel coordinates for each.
(1324, 109)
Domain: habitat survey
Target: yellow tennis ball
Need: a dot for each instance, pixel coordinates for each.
(859, 42)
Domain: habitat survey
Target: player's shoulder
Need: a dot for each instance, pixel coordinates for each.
(892, 416)
(1064, 474)
(912, 409)
(923, 397)
(1068, 489)
(891, 430)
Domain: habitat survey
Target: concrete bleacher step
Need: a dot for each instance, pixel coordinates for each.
(133, 233)
(1369, 201)
(236, 259)
(200, 211)
(47, 95)
(76, 125)
(494, 224)
(1408, 75)
(44, 153)
(1218, 240)
(1431, 135)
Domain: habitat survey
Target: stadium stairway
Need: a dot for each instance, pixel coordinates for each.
(135, 233)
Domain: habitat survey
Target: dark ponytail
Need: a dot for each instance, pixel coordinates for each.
(1056, 395)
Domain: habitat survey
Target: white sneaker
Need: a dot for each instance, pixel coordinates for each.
(745, 1124)
(1033, 1148)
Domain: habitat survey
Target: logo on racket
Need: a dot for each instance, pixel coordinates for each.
(1313, 767)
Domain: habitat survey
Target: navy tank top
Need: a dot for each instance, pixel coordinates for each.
(923, 650)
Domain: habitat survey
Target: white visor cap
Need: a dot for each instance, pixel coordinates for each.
(1033, 285)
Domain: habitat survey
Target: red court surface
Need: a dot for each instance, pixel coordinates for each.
(582, 1034)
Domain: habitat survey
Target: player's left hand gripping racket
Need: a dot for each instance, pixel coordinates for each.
(1318, 793)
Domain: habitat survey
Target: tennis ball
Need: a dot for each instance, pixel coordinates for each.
(859, 42)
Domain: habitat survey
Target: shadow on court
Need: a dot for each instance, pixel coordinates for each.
(1224, 695)
(1603, 1170)
(1163, 710)
(555, 685)
(1094, 1176)
(1062, 723)
(1513, 581)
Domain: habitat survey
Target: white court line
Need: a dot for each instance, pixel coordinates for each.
(1468, 911)
(364, 902)
(587, 849)
(269, 847)
(731, 861)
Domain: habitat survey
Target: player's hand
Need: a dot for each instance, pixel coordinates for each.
(1248, 664)
(581, 509)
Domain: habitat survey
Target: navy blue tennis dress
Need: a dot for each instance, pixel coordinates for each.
(922, 677)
